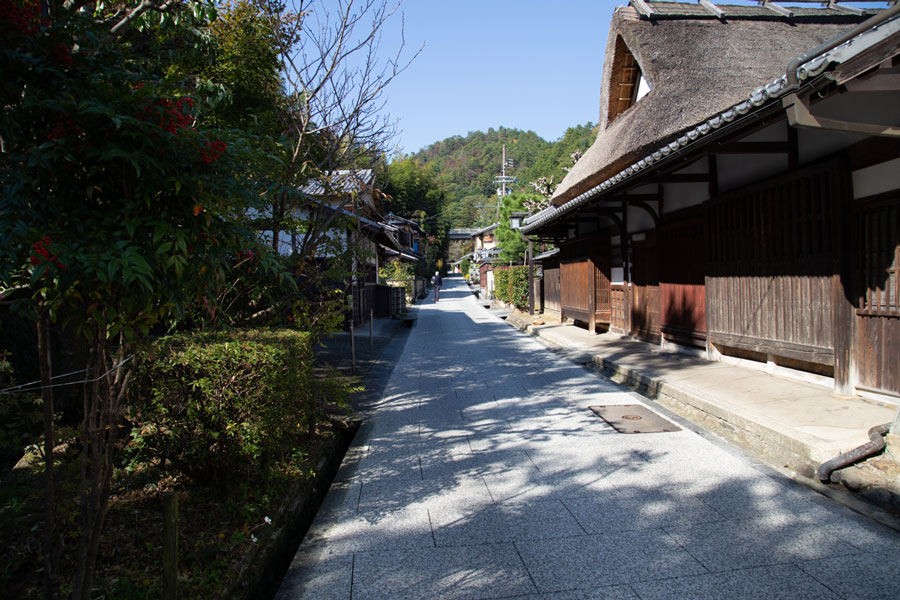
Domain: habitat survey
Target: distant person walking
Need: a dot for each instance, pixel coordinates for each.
(437, 282)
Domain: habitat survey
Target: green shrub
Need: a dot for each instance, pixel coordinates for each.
(501, 284)
(511, 285)
(518, 286)
(212, 404)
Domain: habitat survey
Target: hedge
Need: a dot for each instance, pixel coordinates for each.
(511, 285)
(211, 404)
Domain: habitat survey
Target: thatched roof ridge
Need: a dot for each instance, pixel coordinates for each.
(696, 68)
(693, 10)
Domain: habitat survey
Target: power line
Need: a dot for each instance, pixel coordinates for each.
(29, 387)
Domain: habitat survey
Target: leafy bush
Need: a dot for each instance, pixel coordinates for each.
(20, 416)
(518, 286)
(511, 285)
(501, 284)
(399, 272)
(213, 404)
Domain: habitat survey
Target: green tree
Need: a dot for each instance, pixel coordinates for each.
(512, 246)
(122, 209)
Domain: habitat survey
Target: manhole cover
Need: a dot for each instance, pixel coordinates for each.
(633, 418)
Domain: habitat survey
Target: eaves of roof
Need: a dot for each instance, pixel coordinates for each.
(546, 255)
(759, 99)
(407, 254)
(490, 227)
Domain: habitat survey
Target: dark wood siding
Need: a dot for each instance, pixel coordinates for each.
(584, 290)
(617, 308)
(769, 265)
(645, 289)
(551, 287)
(878, 315)
(682, 287)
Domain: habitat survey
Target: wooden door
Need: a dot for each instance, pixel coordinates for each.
(877, 343)
(645, 289)
(681, 287)
(551, 288)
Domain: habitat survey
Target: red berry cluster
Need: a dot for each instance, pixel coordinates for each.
(61, 55)
(212, 151)
(62, 129)
(172, 116)
(24, 15)
(41, 254)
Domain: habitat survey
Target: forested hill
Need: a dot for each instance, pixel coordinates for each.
(465, 167)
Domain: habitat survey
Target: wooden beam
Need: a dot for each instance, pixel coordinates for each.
(872, 151)
(643, 8)
(635, 198)
(753, 148)
(713, 166)
(778, 9)
(832, 4)
(679, 178)
(793, 148)
(713, 9)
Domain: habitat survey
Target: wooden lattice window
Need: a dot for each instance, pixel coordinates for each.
(625, 78)
(880, 244)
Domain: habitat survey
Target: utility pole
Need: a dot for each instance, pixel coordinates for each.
(502, 182)
(503, 179)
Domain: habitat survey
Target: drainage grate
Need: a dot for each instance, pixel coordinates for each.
(633, 418)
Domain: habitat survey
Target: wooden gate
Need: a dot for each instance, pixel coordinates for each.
(681, 287)
(645, 290)
(584, 290)
(618, 314)
(877, 344)
(552, 301)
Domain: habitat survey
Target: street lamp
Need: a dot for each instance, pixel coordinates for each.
(515, 223)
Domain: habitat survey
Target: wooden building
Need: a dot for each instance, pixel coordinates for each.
(485, 253)
(742, 199)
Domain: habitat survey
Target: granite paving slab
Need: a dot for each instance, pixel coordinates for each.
(780, 582)
(591, 561)
(503, 523)
(859, 577)
(449, 573)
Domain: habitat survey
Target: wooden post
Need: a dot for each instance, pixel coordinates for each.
(843, 310)
(352, 349)
(530, 279)
(170, 546)
(592, 297)
(625, 247)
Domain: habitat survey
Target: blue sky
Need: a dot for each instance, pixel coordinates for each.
(531, 65)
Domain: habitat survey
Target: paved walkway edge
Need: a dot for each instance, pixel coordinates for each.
(787, 455)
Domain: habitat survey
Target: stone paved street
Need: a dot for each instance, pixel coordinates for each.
(481, 473)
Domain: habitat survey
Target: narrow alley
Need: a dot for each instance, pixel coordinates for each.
(483, 473)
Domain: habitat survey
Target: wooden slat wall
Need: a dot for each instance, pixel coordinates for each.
(576, 279)
(878, 318)
(617, 307)
(681, 287)
(602, 290)
(551, 288)
(769, 265)
(645, 315)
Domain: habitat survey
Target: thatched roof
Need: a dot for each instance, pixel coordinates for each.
(697, 66)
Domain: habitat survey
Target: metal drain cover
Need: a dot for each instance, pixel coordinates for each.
(633, 418)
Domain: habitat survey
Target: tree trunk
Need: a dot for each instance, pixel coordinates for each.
(51, 548)
(103, 392)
